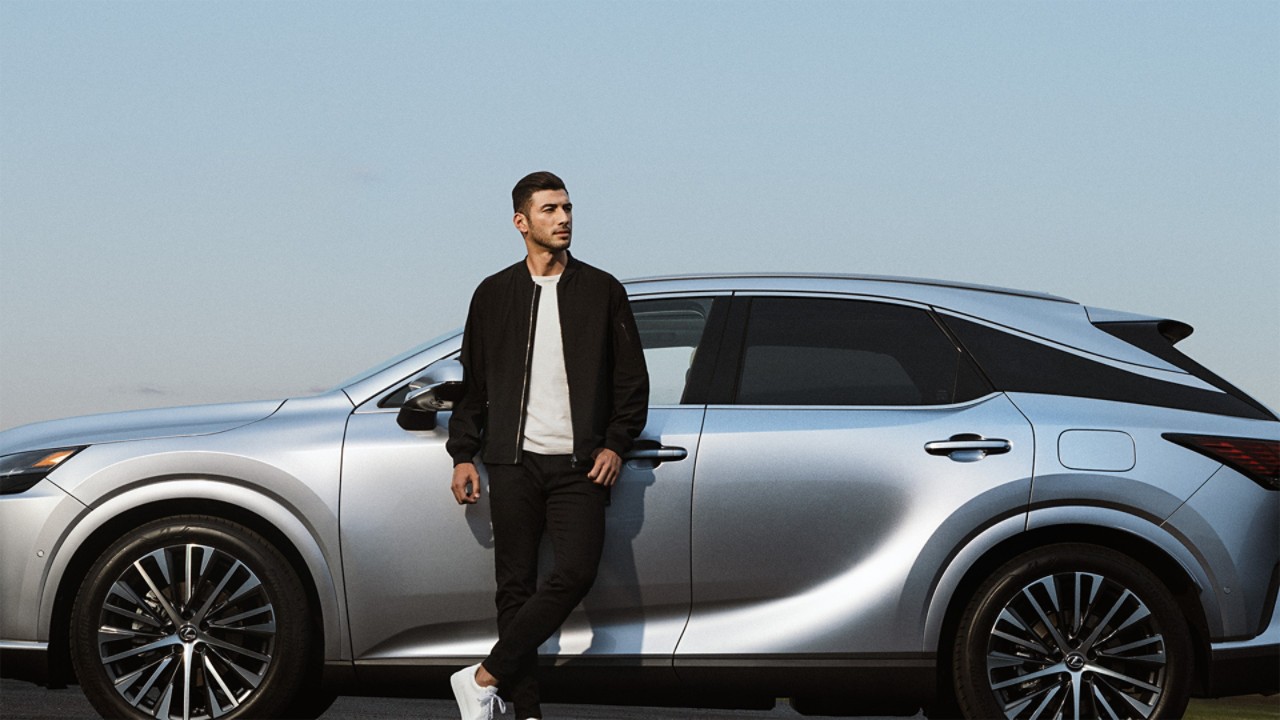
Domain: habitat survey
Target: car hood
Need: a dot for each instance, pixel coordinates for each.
(135, 425)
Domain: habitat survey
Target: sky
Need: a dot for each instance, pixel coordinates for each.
(220, 201)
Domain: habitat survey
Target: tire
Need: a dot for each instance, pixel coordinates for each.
(1023, 650)
(191, 617)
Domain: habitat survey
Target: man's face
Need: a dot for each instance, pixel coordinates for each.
(548, 220)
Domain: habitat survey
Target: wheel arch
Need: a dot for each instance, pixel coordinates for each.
(1184, 588)
(113, 528)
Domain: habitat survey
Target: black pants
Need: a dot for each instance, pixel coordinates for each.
(543, 493)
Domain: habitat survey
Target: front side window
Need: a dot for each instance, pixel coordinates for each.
(823, 351)
(671, 331)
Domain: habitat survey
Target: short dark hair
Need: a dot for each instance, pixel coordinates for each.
(523, 192)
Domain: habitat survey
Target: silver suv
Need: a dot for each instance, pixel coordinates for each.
(858, 492)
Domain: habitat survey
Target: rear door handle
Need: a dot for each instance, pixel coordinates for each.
(968, 447)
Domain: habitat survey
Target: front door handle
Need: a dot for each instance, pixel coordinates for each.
(649, 450)
(968, 447)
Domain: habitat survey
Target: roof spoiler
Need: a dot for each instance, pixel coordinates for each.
(1174, 331)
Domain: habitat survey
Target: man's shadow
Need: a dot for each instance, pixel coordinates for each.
(614, 608)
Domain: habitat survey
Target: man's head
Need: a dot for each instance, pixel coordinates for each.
(543, 213)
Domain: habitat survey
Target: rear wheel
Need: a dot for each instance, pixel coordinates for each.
(191, 617)
(1072, 631)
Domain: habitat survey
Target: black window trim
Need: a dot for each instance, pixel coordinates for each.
(1162, 387)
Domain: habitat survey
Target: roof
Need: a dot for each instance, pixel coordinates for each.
(864, 278)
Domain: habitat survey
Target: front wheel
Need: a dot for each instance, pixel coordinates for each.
(1072, 631)
(190, 617)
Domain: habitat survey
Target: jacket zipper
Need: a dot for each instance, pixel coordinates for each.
(528, 361)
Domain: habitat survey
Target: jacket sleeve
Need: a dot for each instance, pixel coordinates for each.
(630, 376)
(466, 426)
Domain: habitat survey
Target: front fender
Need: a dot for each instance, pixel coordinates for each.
(307, 521)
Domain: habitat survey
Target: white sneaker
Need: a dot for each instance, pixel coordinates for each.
(475, 702)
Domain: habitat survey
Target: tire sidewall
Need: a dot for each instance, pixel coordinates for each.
(280, 583)
(970, 672)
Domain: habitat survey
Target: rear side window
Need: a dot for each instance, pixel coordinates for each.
(820, 351)
(1016, 364)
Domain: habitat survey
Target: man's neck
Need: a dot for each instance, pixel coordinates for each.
(542, 262)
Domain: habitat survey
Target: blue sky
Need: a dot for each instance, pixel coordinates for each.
(221, 201)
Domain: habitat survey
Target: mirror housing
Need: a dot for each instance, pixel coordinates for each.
(434, 391)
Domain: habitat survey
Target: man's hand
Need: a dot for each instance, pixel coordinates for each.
(465, 474)
(605, 471)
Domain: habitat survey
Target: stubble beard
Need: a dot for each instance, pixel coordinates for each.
(553, 243)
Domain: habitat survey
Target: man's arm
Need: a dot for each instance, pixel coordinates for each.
(630, 377)
(466, 426)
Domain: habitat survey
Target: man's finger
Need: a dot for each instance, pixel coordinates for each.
(461, 477)
(599, 469)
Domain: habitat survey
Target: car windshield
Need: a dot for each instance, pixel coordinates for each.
(392, 361)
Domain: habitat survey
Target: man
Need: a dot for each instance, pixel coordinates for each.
(555, 392)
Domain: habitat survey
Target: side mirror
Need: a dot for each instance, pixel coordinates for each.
(436, 390)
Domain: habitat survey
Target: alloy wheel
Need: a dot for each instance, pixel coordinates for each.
(186, 631)
(1076, 645)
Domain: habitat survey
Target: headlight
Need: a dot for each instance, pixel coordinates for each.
(20, 471)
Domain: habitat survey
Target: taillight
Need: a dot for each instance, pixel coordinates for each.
(1259, 460)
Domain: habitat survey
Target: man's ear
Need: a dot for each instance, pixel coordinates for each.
(521, 222)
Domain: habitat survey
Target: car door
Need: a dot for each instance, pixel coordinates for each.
(849, 446)
(419, 567)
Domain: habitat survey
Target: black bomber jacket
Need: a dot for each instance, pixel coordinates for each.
(604, 363)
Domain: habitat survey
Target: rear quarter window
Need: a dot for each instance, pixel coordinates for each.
(1017, 364)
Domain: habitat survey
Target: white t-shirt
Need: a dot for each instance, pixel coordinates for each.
(548, 426)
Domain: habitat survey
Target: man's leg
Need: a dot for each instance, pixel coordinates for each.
(574, 515)
(517, 508)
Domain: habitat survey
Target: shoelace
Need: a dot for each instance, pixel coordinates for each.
(489, 699)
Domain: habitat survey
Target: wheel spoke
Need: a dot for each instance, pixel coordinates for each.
(186, 600)
(134, 616)
(1143, 709)
(1105, 621)
(122, 590)
(226, 622)
(210, 671)
(1115, 651)
(234, 648)
(1049, 624)
(226, 577)
(254, 679)
(186, 681)
(1048, 698)
(1099, 670)
(998, 660)
(165, 708)
(266, 628)
(1051, 670)
(172, 577)
(1100, 701)
(1139, 613)
(151, 681)
(1015, 707)
(109, 633)
(164, 604)
(1075, 699)
(1030, 640)
(161, 643)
